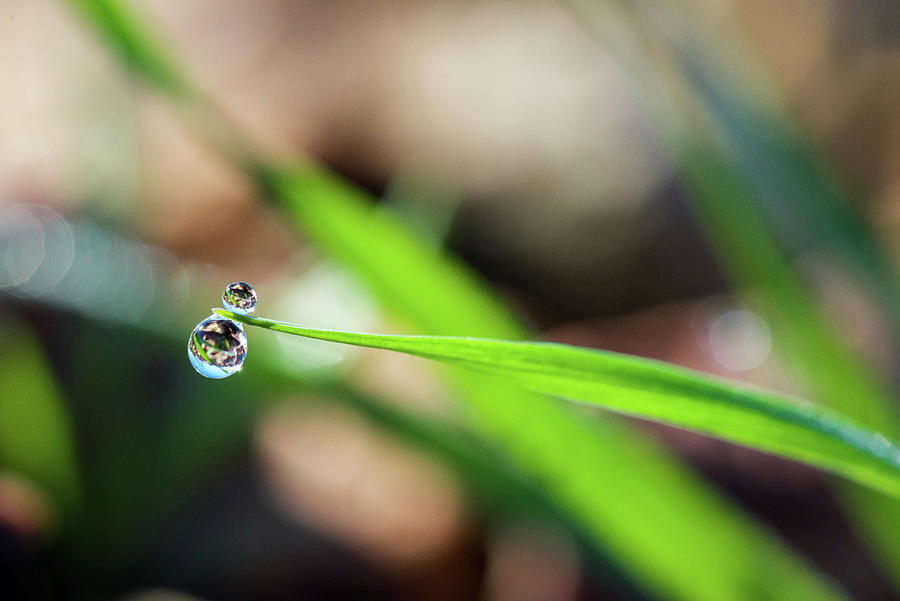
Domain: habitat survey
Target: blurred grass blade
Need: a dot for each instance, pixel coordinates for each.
(755, 211)
(782, 191)
(334, 213)
(801, 203)
(726, 208)
(652, 390)
(124, 34)
(730, 214)
(627, 515)
(686, 543)
(36, 437)
(661, 523)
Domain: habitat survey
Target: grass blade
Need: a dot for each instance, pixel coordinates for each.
(790, 190)
(726, 208)
(626, 514)
(652, 390)
(335, 214)
(753, 211)
(687, 544)
(142, 54)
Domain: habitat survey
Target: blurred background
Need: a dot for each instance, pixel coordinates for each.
(713, 183)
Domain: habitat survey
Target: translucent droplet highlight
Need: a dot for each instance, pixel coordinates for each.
(217, 347)
(239, 297)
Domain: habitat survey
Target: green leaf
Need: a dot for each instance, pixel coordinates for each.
(652, 390)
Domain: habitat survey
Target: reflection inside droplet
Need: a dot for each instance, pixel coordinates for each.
(217, 347)
(239, 297)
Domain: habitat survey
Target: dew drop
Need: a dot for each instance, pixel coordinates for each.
(239, 297)
(217, 347)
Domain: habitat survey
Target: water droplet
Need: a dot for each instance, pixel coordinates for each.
(217, 347)
(239, 297)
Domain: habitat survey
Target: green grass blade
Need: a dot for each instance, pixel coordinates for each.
(727, 209)
(688, 562)
(340, 218)
(801, 202)
(124, 34)
(653, 390)
(687, 543)
(836, 377)
(36, 438)
(663, 525)
(793, 199)
(753, 211)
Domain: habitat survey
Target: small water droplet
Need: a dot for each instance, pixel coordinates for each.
(239, 297)
(217, 347)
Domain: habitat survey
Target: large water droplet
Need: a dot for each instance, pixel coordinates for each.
(217, 347)
(239, 297)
